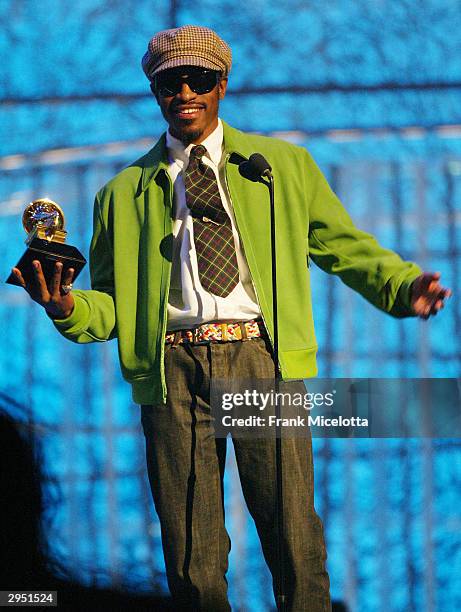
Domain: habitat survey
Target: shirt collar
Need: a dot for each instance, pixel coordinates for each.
(156, 160)
(213, 143)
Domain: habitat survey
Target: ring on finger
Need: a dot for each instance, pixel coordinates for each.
(66, 288)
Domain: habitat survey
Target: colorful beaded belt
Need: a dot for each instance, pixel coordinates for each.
(217, 332)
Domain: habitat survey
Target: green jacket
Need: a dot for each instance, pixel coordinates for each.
(130, 258)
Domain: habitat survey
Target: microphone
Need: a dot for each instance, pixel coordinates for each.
(255, 168)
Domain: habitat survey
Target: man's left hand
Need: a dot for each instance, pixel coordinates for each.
(428, 295)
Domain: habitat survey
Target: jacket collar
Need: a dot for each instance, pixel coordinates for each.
(235, 141)
(154, 161)
(157, 159)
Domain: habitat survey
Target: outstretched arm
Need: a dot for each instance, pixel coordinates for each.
(398, 287)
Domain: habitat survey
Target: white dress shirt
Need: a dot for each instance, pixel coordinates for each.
(189, 304)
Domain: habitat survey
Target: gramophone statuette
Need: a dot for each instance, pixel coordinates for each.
(44, 222)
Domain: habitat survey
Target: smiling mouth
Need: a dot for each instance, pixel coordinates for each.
(188, 113)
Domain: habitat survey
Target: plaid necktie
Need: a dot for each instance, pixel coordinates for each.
(214, 242)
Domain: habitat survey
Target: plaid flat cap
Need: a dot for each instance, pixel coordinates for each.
(188, 45)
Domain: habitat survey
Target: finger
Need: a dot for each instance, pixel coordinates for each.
(434, 309)
(434, 285)
(433, 281)
(423, 311)
(55, 283)
(40, 280)
(443, 294)
(419, 307)
(66, 285)
(68, 276)
(430, 279)
(439, 304)
(448, 293)
(17, 273)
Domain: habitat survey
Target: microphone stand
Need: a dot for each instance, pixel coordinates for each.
(257, 169)
(281, 596)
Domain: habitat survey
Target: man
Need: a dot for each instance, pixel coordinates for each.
(181, 276)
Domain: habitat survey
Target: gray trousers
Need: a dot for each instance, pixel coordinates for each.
(186, 466)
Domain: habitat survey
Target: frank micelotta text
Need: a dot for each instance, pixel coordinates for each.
(298, 421)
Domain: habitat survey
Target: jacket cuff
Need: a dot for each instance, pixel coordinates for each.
(404, 294)
(79, 314)
(402, 306)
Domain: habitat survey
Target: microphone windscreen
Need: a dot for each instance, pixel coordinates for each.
(259, 163)
(248, 172)
(254, 168)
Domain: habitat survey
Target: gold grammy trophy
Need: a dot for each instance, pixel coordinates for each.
(43, 220)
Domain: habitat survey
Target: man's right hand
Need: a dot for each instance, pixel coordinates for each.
(57, 303)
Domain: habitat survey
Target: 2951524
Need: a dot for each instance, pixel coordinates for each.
(28, 598)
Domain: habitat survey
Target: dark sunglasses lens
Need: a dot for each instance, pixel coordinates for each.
(199, 82)
(168, 85)
(203, 82)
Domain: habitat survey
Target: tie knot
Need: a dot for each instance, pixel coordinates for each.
(198, 151)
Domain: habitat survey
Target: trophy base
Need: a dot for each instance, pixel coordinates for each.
(48, 253)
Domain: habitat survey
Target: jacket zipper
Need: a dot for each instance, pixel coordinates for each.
(165, 312)
(241, 241)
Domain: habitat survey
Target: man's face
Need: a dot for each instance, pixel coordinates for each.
(191, 116)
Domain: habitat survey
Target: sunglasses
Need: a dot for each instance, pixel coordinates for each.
(200, 82)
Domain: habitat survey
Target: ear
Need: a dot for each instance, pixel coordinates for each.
(222, 87)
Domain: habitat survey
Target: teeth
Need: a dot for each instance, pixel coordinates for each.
(189, 111)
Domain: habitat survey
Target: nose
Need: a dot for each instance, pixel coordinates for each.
(186, 92)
